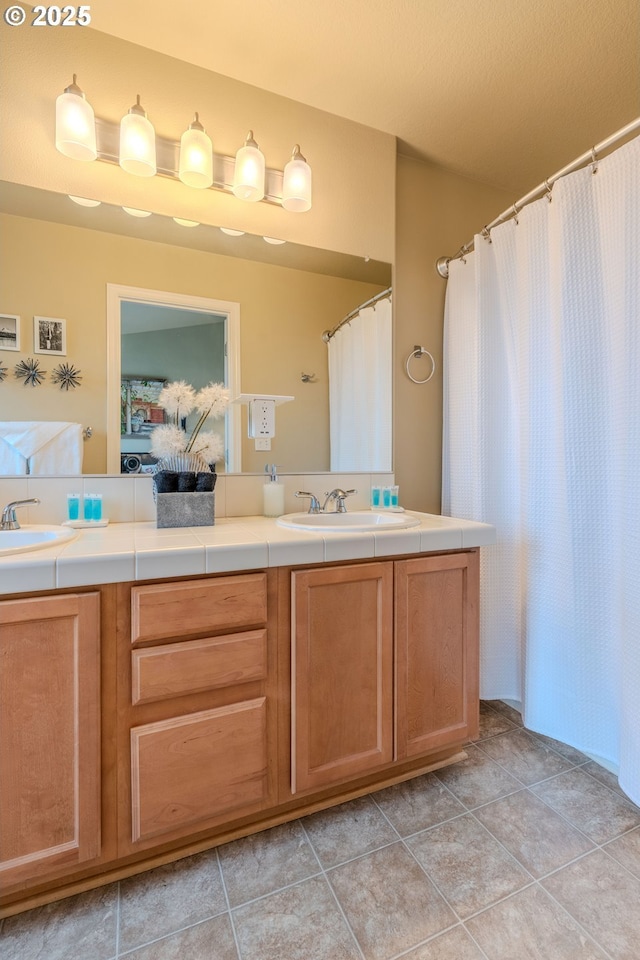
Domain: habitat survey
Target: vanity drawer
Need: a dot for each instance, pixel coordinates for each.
(192, 666)
(160, 611)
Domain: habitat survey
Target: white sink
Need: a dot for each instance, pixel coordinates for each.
(34, 537)
(359, 521)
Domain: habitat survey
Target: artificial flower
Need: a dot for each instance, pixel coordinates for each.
(179, 399)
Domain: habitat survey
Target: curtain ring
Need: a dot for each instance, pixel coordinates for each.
(548, 193)
(486, 233)
(419, 351)
(594, 160)
(515, 214)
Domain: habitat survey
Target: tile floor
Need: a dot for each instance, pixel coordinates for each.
(524, 851)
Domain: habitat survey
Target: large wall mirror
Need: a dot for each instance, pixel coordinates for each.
(60, 260)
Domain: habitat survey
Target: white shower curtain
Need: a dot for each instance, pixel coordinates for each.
(542, 438)
(360, 391)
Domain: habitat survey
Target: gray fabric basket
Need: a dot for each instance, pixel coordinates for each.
(186, 509)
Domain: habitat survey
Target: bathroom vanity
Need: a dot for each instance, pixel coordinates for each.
(154, 717)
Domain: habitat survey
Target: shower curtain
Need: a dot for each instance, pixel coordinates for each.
(360, 391)
(542, 439)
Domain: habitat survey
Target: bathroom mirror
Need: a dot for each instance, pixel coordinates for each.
(59, 257)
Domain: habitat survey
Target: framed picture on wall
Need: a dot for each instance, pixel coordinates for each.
(50, 335)
(9, 331)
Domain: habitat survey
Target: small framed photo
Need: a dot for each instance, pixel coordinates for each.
(50, 335)
(9, 331)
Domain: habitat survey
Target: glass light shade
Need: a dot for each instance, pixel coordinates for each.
(196, 157)
(248, 175)
(75, 125)
(232, 233)
(186, 223)
(296, 183)
(137, 143)
(84, 201)
(273, 240)
(133, 212)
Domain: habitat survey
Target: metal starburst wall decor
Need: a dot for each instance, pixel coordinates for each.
(29, 371)
(66, 375)
(3, 371)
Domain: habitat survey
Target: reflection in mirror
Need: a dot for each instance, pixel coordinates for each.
(58, 259)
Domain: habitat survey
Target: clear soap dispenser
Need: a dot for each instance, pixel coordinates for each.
(272, 493)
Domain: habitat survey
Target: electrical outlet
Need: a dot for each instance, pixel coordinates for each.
(262, 418)
(263, 443)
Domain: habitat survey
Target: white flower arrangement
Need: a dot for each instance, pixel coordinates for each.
(179, 399)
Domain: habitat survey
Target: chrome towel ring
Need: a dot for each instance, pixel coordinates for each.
(420, 352)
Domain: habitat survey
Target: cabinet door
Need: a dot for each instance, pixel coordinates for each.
(49, 735)
(342, 668)
(436, 652)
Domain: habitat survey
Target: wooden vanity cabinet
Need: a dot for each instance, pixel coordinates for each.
(383, 665)
(197, 708)
(50, 757)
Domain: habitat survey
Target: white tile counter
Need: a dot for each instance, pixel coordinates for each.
(139, 551)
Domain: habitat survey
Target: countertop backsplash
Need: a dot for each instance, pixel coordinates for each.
(130, 498)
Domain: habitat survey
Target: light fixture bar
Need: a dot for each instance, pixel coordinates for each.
(168, 159)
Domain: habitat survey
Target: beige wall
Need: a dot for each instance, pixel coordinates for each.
(62, 271)
(353, 165)
(437, 211)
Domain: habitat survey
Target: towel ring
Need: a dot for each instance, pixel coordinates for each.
(419, 352)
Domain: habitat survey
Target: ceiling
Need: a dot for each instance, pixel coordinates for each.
(502, 91)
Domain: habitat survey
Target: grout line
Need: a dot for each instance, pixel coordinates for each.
(584, 932)
(118, 896)
(333, 893)
(226, 898)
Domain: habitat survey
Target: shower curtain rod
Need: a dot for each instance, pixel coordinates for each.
(589, 156)
(326, 336)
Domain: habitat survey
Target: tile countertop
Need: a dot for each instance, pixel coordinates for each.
(140, 551)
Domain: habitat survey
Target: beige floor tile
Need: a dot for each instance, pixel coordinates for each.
(468, 866)
(524, 757)
(505, 710)
(605, 899)
(626, 850)
(455, 944)
(530, 926)
(592, 807)
(478, 779)
(257, 865)
(77, 928)
(302, 922)
(211, 940)
(176, 895)
(348, 831)
(417, 804)
(569, 753)
(537, 836)
(389, 902)
(604, 776)
(492, 723)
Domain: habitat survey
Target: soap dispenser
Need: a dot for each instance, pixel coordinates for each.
(272, 493)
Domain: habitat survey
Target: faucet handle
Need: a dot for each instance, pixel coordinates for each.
(314, 506)
(9, 520)
(341, 496)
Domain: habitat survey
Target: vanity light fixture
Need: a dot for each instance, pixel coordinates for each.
(75, 124)
(137, 142)
(249, 171)
(186, 223)
(84, 201)
(296, 183)
(136, 213)
(273, 240)
(196, 156)
(232, 233)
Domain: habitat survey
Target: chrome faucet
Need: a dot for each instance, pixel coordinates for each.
(314, 506)
(339, 496)
(9, 520)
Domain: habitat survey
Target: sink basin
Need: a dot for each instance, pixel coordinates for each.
(360, 521)
(33, 537)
